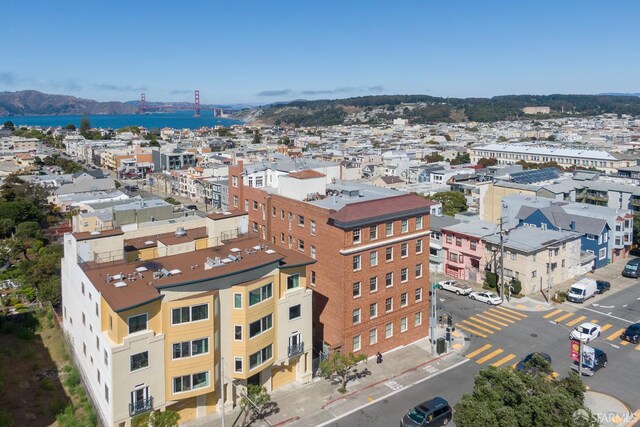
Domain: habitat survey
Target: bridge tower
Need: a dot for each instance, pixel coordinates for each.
(196, 104)
(142, 102)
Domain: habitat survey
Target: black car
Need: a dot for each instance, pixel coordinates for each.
(191, 207)
(589, 367)
(632, 269)
(632, 333)
(525, 366)
(434, 412)
(602, 286)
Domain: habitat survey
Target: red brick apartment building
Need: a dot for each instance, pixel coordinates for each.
(371, 279)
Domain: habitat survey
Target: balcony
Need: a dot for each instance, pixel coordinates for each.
(294, 350)
(141, 406)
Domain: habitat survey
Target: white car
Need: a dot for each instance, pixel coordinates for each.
(586, 332)
(453, 286)
(488, 297)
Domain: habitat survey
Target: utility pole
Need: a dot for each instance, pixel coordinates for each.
(433, 318)
(222, 387)
(501, 260)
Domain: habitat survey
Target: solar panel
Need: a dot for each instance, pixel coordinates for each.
(535, 175)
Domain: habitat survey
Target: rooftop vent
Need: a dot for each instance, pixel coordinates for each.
(120, 284)
(181, 232)
(95, 233)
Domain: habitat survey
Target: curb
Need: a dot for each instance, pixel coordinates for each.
(383, 380)
(283, 422)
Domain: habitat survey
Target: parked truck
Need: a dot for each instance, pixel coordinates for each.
(582, 290)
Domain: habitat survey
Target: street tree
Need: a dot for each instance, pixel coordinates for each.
(9, 125)
(340, 368)
(85, 126)
(461, 159)
(636, 229)
(486, 162)
(434, 157)
(257, 138)
(507, 397)
(70, 126)
(453, 202)
(256, 405)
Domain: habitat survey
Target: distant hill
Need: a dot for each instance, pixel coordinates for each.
(423, 109)
(31, 102)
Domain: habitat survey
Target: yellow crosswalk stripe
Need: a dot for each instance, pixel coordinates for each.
(624, 343)
(635, 417)
(553, 313)
(478, 351)
(471, 331)
(561, 318)
(503, 360)
(498, 316)
(485, 323)
(491, 319)
(490, 356)
(638, 347)
(478, 327)
(593, 321)
(514, 365)
(607, 326)
(576, 320)
(508, 310)
(615, 335)
(505, 314)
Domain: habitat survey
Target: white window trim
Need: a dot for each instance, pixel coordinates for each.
(241, 333)
(359, 343)
(236, 358)
(406, 324)
(387, 242)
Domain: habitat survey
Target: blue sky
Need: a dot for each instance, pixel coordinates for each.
(266, 51)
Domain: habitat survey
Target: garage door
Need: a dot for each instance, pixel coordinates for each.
(283, 375)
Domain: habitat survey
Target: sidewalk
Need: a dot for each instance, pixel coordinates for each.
(609, 411)
(319, 401)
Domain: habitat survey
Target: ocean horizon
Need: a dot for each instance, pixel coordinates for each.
(177, 120)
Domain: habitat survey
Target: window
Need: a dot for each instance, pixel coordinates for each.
(356, 343)
(235, 201)
(418, 319)
(190, 348)
(262, 293)
(513, 256)
(419, 223)
(373, 336)
(356, 263)
(246, 205)
(373, 284)
(473, 245)
(389, 229)
(373, 258)
(418, 271)
(602, 254)
(237, 332)
(106, 393)
(295, 312)
(356, 235)
(419, 246)
(234, 181)
(356, 289)
(96, 305)
(293, 281)
(98, 342)
(273, 211)
(449, 238)
(139, 361)
(313, 227)
(418, 294)
(388, 304)
(373, 310)
(237, 300)
(189, 314)
(458, 241)
(281, 237)
(534, 273)
(254, 226)
(591, 237)
(237, 364)
(404, 226)
(84, 348)
(137, 323)
(373, 232)
(106, 358)
(301, 245)
(260, 325)
(281, 213)
(312, 251)
(313, 278)
(300, 220)
(389, 280)
(191, 382)
(404, 299)
(84, 320)
(404, 250)
(389, 254)
(404, 275)
(562, 263)
(355, 316)
(260, 357)
(82, 283)
(403, 324)
(388, 330)
(255, 205)
(455, 257)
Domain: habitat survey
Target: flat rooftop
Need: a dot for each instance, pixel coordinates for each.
(343, 193)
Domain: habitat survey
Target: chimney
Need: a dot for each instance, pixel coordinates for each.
(572, 226)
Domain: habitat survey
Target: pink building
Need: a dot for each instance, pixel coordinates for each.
(463, 252)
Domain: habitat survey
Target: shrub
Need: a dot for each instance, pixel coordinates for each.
(560, 297)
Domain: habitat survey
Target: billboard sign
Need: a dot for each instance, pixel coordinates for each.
(574, 353)
(588, 357)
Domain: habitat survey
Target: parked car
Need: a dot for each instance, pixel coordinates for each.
(582, 290)
(602, 286)
(434, 412)
(589, 367)
(488, 297)
(525, 366)
(586, 332)
(191, 207)
(632, 269)
(632, 333)
(453, 286)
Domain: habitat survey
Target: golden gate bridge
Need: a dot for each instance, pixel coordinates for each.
(145, 108)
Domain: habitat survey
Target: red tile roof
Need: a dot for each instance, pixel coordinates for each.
(354, 214)
(306, 174)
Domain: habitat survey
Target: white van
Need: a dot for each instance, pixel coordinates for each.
(582, 290)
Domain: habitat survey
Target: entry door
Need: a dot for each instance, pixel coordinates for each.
(295, 339)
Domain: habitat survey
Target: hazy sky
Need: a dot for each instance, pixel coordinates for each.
(266, 51)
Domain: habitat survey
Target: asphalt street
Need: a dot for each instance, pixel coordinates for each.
(503, 336)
